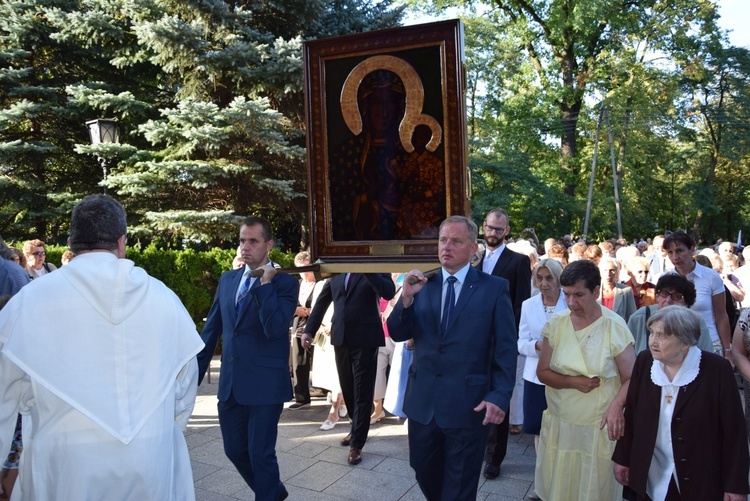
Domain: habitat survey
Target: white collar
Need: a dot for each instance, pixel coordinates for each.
(496, 251)
(460, 274)
(685, 375)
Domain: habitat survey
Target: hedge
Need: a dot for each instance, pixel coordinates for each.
(192, 275)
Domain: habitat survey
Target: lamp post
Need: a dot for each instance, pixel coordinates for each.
(104, 131)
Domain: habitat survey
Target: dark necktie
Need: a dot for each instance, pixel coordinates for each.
(349, 281)
(243, 292)
(450, 302)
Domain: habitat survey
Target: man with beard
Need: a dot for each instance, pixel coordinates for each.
(516, 269)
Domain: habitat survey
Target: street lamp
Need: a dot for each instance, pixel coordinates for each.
(104, 131)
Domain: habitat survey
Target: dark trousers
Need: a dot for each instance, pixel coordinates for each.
(301, 364)
(249, 434)
(447, 461)
(357, 367)
(497, 442)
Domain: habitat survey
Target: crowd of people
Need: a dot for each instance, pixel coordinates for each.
(618, 358)
(586, 316)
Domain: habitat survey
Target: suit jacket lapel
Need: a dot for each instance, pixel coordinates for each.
(234, 285)
(355, 279)
(434, 290)
(467, 289)
(502, 262)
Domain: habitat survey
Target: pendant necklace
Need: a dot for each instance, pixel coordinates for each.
(670, 393)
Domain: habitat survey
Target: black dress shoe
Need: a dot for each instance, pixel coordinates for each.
(346, 440)
(491, 471)
(355, 456)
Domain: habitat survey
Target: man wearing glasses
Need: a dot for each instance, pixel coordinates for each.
(35, 255)
(516, 269)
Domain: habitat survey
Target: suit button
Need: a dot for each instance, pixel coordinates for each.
(439, 375)
(680, 439)
(234, 333)
(686, 479)
(683, 460)
(678, 420)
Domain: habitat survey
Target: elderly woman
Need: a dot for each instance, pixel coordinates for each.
(35, 253)
(615, 296)
(585, 360)
(535, 312)
(643, 290)
(684, 436)
(710, 302)
(671, 289)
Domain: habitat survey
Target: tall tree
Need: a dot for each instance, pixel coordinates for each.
(209, 94)
(582, 52)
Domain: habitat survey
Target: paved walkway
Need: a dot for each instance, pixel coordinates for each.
(313, 464)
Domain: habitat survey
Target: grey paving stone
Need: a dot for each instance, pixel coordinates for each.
(290, 464)
(394, 466)
(197, 439)
(413, 494)
(223, 481)
(204, 495)
(366, 485)
(202, 470)
(506, 486)
(319, 476)
(308, 449)
(211, 453)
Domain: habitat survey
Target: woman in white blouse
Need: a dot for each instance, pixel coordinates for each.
(535, 312)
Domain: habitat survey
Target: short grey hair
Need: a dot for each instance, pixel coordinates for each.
(471, 225)
(607, 259)
(678, 321)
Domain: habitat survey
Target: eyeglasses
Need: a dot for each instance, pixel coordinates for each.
(39, 253)
(488, 228)
(676, 296)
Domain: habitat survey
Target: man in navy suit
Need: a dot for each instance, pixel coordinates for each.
(252, 316)
(356, 335)
(502, 262)
(464, 364)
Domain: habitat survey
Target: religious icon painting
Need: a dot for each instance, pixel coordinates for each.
(386, 141)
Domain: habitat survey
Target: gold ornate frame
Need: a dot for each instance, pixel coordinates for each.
(428, 62)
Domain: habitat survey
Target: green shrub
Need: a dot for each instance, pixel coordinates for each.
(192, 275)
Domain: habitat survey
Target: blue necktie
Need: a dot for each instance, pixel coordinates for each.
(450, 302)
(243, 292)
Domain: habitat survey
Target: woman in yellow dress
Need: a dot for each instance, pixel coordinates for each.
(586, 359)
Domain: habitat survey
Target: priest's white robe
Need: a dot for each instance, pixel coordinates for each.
(99, 357)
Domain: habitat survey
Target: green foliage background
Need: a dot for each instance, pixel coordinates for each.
(192, 275)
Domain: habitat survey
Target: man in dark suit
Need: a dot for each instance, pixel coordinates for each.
(252, 317)
(516, 269)
(464, 364)
(356, 335)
